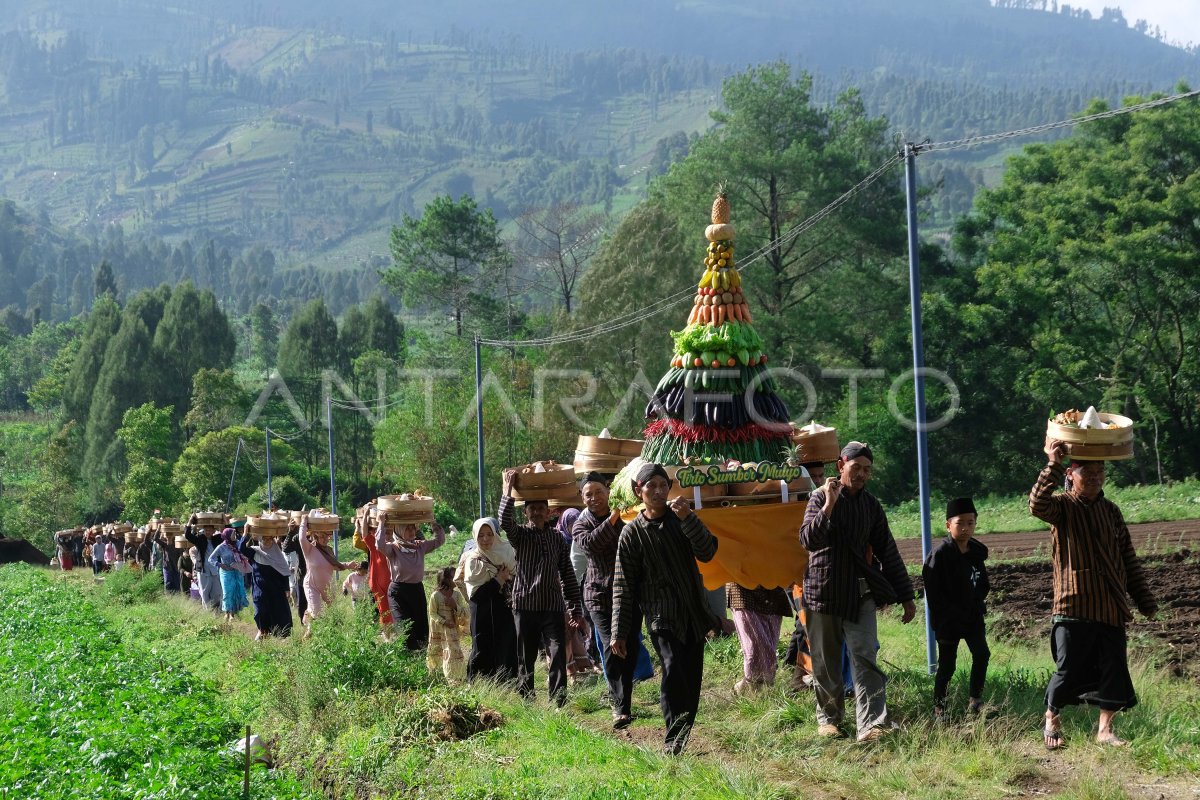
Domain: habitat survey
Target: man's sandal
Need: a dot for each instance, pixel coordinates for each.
(1052, 735)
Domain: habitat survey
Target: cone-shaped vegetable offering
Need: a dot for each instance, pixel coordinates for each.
(717, 401)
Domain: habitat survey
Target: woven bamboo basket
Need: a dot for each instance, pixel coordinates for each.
(268, 525)
(395, 509)
(605, 465)
(528, 479)
(766, 488)
(323, 523)
(706, 492)
(604, 455)
(574, 502)
(1096, 444)
(565, 493)
(598, 446)
(210, 519)
(816, 443)
(181, 543)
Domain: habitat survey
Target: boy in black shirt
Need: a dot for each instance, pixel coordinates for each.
(956, 587)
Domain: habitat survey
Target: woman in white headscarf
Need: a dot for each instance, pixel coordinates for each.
(485, 571)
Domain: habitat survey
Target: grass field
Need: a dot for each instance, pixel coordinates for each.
(352, 716)
(1142, 503)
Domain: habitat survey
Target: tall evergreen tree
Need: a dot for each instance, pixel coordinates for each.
(446, 258)
(264, 335)
(104, 282)
(123, 382)
(385, 332)
(194, 334)
(309, 346)
(102, 325)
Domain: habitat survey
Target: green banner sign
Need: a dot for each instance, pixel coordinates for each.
(715, 476)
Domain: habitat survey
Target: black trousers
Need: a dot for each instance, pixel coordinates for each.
(1092, 667)
(618, 672)
(679, 696)
(408, 604)
(948, 663)
(547, 629)
(299, 596)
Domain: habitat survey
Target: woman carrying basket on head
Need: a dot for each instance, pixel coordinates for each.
(322, 563)
(233, 567)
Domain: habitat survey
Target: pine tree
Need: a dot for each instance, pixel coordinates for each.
(264, 336)
(193, 334)
(385, 332)
(122, 383)
(105, 282)
(102, 325)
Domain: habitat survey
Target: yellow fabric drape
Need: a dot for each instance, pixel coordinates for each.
(757, 545)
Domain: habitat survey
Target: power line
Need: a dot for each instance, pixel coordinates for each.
(246, 454)
(369, 404)
(975, 141)
(643, 314)
(291, 436)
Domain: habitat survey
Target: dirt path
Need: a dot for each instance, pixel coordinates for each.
(1149, 537)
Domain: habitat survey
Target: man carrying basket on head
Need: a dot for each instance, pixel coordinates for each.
(1095, 573)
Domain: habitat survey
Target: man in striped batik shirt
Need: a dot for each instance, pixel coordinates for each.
(1095, 573)
(544, 580)
(854, 569)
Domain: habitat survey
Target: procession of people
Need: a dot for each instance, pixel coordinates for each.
(598, 578)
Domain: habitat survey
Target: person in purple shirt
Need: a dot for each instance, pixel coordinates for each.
(405, 554)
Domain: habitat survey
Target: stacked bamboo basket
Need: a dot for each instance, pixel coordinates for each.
(268, 524)
(549, 481)
(604, 454)
(403, 509)
(1096, 444)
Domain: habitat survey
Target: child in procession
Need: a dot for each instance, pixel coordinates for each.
(355, 584)
(956, 587)
(448, 617)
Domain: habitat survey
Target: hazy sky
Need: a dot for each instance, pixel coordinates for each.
(1179, 18)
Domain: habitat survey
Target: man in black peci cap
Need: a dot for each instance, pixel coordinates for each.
(853, 569)
(956, 587)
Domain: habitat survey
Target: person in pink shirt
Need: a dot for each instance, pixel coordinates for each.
(406, 561)
(322, 563)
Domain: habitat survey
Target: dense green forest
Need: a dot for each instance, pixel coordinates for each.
(1070, 283)
(273, 141)
(195, 249)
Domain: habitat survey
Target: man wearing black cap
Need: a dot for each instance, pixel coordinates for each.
(956, 588)
(656, 575)
(1096, 571)
(853, 569)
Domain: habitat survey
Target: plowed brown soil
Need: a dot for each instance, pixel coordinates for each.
(1021, 590)
(1150, 537)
